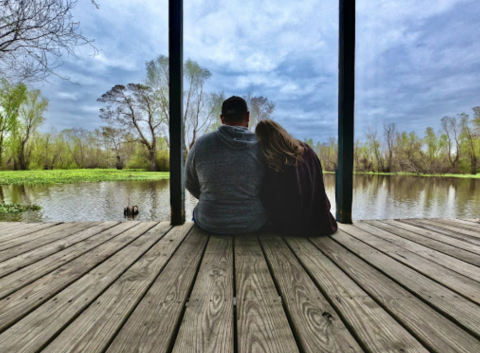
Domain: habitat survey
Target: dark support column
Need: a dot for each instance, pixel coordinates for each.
(175, 54)
(346, 95)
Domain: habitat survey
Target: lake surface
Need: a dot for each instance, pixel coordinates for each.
(375, 197)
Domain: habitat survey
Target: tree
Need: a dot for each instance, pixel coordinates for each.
(200, 106)
(11, 98)
(468, 136)
(260, 109)
(375, 146)
(451, 129)
(30, 117)
(34, 35)
(135, 107)
(390, 134)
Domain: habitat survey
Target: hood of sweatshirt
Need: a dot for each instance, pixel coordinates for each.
(236, 137)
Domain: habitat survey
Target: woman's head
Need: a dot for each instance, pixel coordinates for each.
(278, 147)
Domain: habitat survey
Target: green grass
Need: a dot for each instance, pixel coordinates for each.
(43, 177)
(467, 176)
(9, 208)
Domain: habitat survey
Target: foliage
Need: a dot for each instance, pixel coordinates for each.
(21, 113)
(8, 208)
(38, 177)
(135, 107)
(34, 35)
(454, 149)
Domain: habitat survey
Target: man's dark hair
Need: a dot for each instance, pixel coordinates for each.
(234, 108)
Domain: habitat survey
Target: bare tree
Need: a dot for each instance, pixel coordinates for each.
(375, 145)
(451, 129)
(260, 109)
(34, 35)
(135, 107)
(200, 106)
(390, 135)
(469, 137)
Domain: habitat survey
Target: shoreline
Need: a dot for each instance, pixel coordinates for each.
(73, 176)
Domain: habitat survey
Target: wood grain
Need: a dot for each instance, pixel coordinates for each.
(460, 309)
(15, 280)
(154, 323)
(436, 332)
(41, 237)
(15, 263)
(97, 325)
(462, 285)
(262, 324)
(35, 330)
(315, 323)
(371, 324)
(413, 231)
(437, 227)
(23, 299)
(18, 230)
(207, 325)
(448, 261)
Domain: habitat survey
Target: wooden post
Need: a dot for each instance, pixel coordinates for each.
(175, 55)
(346, 97)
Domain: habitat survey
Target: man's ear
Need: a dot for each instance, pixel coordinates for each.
(221, 118)
(247, 118)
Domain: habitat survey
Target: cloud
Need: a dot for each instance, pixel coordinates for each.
(416, 62)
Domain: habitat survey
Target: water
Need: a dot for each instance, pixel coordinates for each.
(375, 197)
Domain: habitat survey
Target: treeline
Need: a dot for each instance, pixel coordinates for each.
(454, 147)
(136, 118)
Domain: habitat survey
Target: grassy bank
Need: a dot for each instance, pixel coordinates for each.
(467, 176)
(42, 177)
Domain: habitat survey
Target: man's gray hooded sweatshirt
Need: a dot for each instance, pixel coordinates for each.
(224, 170)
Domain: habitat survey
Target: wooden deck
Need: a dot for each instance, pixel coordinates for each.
(375, 286)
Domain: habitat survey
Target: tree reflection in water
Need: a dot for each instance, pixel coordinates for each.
(375, 197)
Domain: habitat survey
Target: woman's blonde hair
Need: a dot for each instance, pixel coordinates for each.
(279, 148)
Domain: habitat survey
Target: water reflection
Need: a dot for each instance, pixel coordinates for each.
(388, 197)
(94, 201)
(375, 197)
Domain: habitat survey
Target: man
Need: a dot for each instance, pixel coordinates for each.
(224, 171)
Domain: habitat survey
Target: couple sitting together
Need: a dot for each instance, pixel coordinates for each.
(246, 182)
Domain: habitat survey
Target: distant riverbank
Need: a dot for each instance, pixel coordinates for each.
(71, 176)
(467, 176)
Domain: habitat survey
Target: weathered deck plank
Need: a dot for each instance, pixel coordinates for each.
(208, 323)
(462, 310)
(42, 237)
(376, 286)
(428, 238)
(97, 325)
(15, 263)
(374, 327)
(436, 227)
(433, 330)
(153, 325)
(23, 229)
(316, 324)
(453, 263)
(262, 325)
(34, 331)
(21, 297)
(458, 283)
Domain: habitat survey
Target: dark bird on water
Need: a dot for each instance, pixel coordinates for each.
(130, 211)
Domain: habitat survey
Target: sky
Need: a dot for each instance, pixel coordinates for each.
(416, 60)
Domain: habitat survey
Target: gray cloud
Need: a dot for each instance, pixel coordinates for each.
(415, 62)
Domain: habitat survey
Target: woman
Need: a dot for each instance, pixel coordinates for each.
(293, 193)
